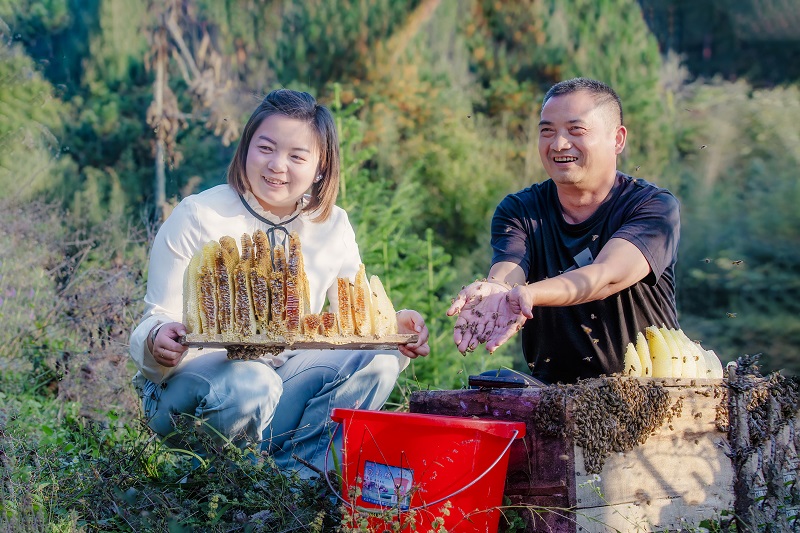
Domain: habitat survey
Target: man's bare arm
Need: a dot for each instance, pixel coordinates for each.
(487, 317)
(619, 265)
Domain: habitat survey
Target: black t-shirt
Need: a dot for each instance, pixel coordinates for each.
(564, 344)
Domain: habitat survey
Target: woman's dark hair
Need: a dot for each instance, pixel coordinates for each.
(300, 106)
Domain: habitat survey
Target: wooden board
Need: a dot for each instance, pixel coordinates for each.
(679, 477)
(387, 342)
(660, 515)
(690, 442)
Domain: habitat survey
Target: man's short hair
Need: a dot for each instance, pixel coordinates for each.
(602, 93)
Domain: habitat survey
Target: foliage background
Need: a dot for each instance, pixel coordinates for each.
(437, 103)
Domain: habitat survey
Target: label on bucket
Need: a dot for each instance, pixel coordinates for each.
(386, 485)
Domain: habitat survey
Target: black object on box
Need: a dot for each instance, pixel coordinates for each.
(503, 379)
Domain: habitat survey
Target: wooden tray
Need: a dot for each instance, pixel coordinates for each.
(388, 342)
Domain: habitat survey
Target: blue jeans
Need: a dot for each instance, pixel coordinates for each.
(286, 410)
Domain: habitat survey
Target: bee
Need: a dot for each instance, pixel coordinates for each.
(738, 262)
(593, 316)
(586, 329)
(637, 168)
(595, 237)
(547, 360)
(596, 341)
(706, 260)
(731, 315)
(703, 147)
(587, 359)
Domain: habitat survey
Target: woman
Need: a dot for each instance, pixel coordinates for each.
(289, 148)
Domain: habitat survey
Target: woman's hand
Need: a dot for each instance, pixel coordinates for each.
(166, 349)
(409, 321)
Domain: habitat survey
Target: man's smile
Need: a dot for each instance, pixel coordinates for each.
(564, 158)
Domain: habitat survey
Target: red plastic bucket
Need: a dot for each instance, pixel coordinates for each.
(423, 471)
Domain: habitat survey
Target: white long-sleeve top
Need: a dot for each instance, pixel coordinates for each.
(329, 251)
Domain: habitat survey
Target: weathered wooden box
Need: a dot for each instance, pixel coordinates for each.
(677, 478)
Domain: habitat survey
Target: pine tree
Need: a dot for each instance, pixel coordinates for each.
(416, 271)
(30, 151)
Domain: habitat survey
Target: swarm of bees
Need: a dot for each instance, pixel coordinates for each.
(669, 353)
(261, 294)
(607, 415)
(614, 414)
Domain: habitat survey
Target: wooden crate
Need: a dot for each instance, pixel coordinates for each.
(677, 478)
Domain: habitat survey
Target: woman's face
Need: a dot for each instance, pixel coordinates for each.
(282, 162)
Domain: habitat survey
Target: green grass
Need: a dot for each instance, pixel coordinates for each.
(62, 472)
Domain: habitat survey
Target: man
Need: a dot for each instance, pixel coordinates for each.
(585, 260)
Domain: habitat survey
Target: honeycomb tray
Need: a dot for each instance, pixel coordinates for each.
(387, 342)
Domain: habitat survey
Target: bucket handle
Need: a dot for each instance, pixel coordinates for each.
(423, 506)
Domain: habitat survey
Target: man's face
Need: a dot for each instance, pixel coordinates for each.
(579, 141)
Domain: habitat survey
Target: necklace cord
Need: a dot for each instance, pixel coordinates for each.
(273, 227)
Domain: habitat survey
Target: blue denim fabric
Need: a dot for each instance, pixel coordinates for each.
(316, 381)
(237, 398)
(288, 407)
